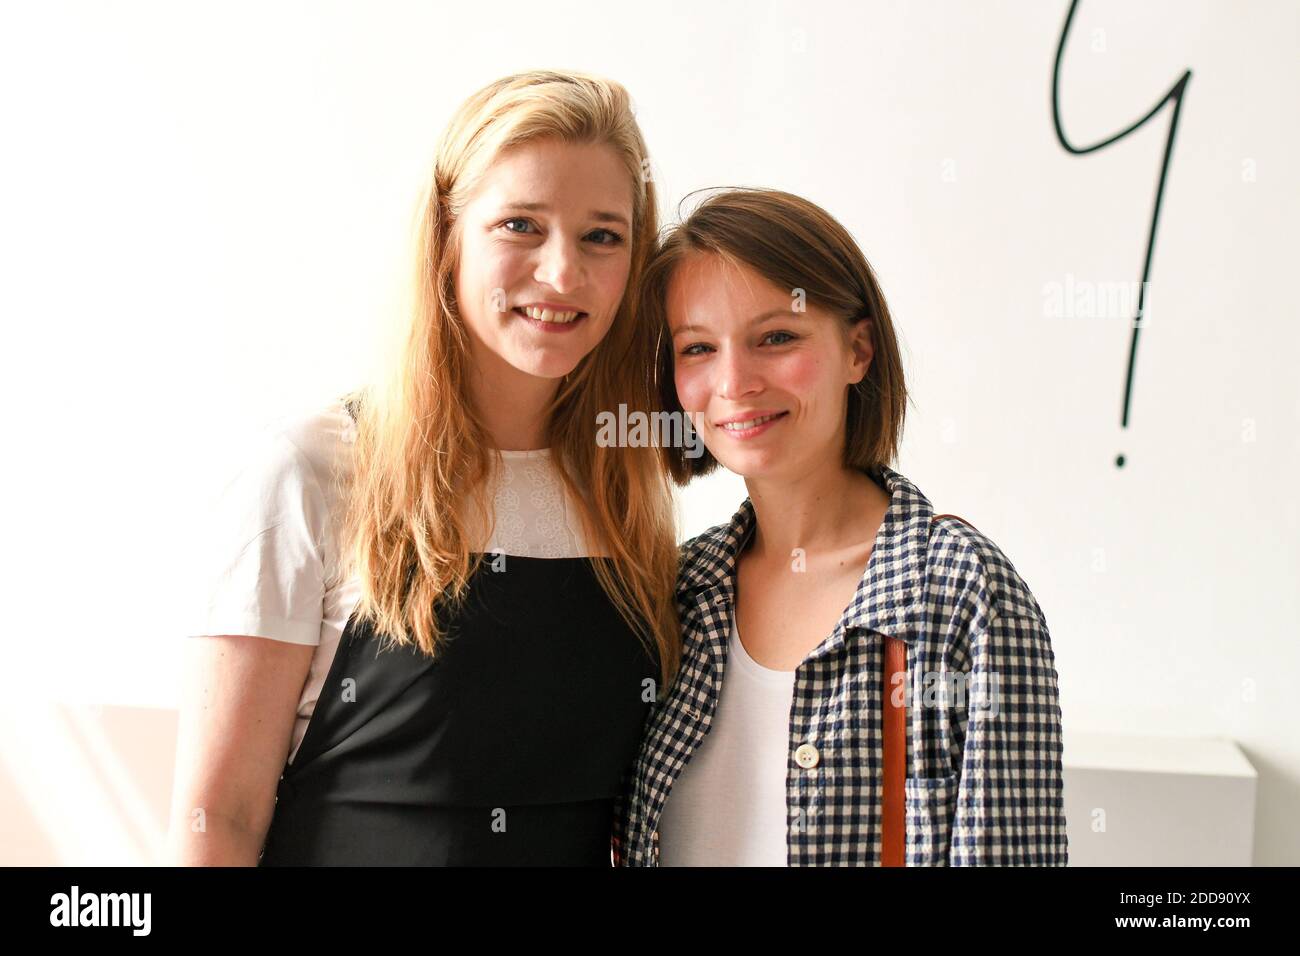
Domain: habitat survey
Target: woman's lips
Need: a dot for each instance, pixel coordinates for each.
(743, 434)
(550, 326)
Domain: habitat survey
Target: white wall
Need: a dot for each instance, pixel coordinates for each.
(203, 215)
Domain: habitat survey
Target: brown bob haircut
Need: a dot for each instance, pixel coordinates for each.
(794, 244)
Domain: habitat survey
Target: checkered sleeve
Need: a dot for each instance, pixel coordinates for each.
(1010, 801)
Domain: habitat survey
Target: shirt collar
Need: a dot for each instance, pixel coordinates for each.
(890, 585)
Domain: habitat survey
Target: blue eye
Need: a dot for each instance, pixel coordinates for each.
(607, 237)
(789, 337)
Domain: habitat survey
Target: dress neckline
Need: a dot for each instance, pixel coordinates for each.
(530, 453)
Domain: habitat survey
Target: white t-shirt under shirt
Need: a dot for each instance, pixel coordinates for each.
(728, 805)
(269, 558)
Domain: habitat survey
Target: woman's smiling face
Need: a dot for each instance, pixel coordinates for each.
(742, 352)
(546, 234)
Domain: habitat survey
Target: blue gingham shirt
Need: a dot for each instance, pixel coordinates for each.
(983, 783)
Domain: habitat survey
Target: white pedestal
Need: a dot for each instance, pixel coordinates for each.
(1158, 801)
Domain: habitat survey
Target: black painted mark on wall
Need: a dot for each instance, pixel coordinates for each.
(1176, 95)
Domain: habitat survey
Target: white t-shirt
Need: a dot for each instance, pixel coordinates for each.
(728, 805)
(268, 561)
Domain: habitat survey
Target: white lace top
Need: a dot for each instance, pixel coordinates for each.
(532, 519)
(266, 564)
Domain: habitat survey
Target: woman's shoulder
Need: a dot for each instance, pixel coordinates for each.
(965, 562)
(706, 542)
(293, 472)
(710, 554)
(316, 437)
(264, 548)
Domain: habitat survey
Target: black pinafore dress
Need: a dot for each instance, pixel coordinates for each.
(507, 750)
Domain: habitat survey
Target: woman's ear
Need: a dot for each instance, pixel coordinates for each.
(861, 349)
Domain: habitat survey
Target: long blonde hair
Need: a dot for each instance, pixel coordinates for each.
(421, 449)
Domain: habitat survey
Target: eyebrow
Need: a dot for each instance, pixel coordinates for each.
(596, 214)
(762, 317)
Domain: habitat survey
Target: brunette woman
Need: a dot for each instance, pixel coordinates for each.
(769, 747)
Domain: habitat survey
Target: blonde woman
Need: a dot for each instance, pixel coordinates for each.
(442, 608)
(768, 749)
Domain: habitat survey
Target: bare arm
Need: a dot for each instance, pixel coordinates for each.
(239, 699)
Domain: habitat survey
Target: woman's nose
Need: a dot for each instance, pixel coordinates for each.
(737, 375)
(559, 266)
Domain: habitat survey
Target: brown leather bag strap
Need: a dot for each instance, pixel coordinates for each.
(895, 695)
(894, 835)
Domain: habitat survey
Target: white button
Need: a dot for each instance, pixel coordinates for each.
(806, 756)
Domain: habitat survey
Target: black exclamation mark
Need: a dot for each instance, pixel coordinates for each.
(1176, 95)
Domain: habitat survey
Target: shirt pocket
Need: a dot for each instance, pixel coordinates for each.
(930, 802)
